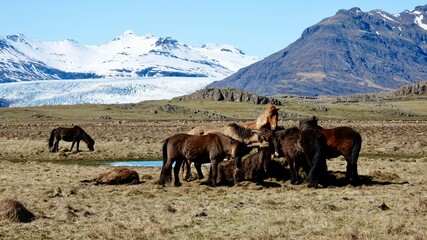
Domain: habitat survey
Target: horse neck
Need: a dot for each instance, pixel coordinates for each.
(85, 137)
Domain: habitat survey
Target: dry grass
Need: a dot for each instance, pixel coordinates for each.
(390, 204)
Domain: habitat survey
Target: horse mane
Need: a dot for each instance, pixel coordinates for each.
(85, 137)
(310, 123)
(237, 131)
(262, 119)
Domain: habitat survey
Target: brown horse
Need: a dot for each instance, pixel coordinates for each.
(119, 175)
(268, 119)
(252, 138)
(254, 167)
(73, 135)
(343, 141)
(197, 149)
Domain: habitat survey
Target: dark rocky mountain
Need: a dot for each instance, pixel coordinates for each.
(350, 52)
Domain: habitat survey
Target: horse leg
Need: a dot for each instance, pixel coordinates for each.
(55, 146)
(165, 175)
(292, 171)
(72, 145)
(198, 167)
(77, 145)
(186, 171)
(351, 170)
(213, 172)
(176, 171)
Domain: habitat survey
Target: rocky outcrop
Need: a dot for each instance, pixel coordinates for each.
(231, 95)
(417, 89)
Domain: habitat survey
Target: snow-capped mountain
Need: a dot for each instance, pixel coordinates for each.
(129, 55)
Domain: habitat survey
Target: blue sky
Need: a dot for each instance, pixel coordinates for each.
(259, 28)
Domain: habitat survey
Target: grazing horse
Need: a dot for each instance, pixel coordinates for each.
(252, 138)
(343, 141)
(268, 119)
(254, 167)
(74, 135)
(190, 148)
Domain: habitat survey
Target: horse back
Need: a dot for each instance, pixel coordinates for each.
(335, 136)
(340, 139)
(69, 134)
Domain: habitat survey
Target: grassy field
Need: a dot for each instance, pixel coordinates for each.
(391, 203)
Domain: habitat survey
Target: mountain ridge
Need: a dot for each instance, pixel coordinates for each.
(350, 52)
(128, 55)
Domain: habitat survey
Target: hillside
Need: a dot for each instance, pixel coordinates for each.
(350, 52)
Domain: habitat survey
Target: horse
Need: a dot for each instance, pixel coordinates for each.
(74, 135)
(119, 175)
(252, 138)
(343, 141)
(254, 167)
(286, 144)
(268, 119)
(190, 148)
(313, 144)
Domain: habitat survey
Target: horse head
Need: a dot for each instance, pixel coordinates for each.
(89, 141)
(269, 118)
(309, 123)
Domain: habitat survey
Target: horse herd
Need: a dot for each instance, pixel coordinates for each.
(305, 147)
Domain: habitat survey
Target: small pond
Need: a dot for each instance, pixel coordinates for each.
(156, 163)
(153, 163)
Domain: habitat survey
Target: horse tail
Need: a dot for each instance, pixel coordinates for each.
(166, 174)
(314, 165)
(52, 138)
(318, 169)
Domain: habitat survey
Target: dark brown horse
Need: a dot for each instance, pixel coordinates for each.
(343, 141)
(254, 167)
(286, 145)
(74, 135)
(313, 144)
(303, 147)
(252, 138)
(190, 148)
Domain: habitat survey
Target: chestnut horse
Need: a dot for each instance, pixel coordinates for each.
(73, 135)
(268, 119)
(252, 138)
(190, 148)
(343, 141)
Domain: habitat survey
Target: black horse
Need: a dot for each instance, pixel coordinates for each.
(74, 135)
(305, 147)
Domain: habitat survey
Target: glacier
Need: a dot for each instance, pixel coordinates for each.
(98, 91)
